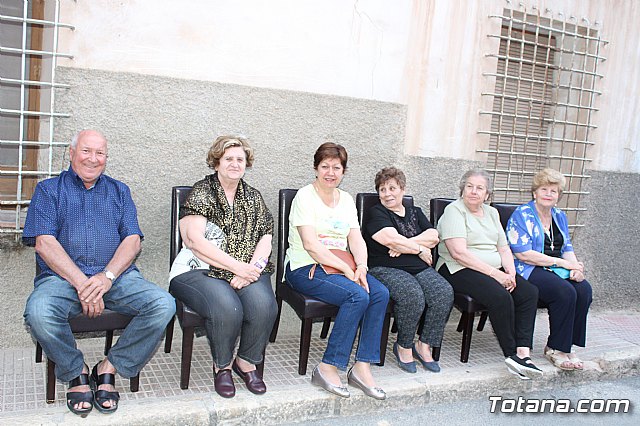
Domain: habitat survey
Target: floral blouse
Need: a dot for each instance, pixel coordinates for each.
(524, 233)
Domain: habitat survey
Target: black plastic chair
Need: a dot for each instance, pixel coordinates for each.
(505, 210)
(108, 321)
(187, 318)
(364, 202)
(462, 302)
(307, 308)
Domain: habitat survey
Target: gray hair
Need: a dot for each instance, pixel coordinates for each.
(76, 137)
(477, 172)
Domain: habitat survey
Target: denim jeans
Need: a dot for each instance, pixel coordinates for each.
(248, 313)
(53, 301)
(357, 308)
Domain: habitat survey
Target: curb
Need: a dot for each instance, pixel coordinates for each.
(404, 391)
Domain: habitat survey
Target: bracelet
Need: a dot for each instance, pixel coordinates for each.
(366, 268)
(419, 250)
(491, 273)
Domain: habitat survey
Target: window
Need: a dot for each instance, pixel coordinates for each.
(543, 105)
(28, 52)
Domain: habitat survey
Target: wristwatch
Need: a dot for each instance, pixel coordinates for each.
(109, 275)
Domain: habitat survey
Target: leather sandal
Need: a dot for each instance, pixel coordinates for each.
(577, 362)
(74, 398)
(102, 396)
(558, 359)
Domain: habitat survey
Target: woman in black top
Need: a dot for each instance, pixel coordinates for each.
(399, 240)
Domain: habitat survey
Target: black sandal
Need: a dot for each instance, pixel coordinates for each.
(102, 396)
(74, 398)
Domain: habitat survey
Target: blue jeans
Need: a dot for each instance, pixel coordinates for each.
(249, 313)
(357, 308)
(53, 301)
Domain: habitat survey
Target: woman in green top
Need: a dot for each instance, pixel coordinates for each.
(476, 260)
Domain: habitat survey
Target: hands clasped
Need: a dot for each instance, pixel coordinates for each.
(90, 293)
(244, 274)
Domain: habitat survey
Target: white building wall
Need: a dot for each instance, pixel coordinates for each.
(426, 54)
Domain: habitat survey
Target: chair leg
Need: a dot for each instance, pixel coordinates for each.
(134, 383)
(108, 342)
(435, 353)
(305, 343)
(276, 324)
(187, 352)
(51, 382)
(168, 338)
(466, 335)
(260, 367)
(38, 352)
(483, 320)
(384, 338)
(326, 325)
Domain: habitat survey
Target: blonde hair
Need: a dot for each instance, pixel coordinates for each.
(548, 177)
(222, 143)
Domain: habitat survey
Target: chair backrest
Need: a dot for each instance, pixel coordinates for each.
(366, 200)
(285, 197)
(505, 210)
(436, 210)
(178, 197)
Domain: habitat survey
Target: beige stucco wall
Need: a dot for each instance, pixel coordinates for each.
(426, 54)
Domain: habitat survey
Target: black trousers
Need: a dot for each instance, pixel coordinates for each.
(512, 314)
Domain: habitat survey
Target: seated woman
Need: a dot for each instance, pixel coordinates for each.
(476, 260)
(539, 238)
(225, 223)
(324, 217)
(399, 240)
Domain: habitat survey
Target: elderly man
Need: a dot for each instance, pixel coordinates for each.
(85, 230)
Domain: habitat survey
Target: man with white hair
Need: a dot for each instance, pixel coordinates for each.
(85, 230)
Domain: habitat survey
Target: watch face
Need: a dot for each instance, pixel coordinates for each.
(109, 275)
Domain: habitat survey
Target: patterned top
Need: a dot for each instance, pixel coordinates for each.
(89, 223)
(524, 232)
(243, 224)
(413, 223)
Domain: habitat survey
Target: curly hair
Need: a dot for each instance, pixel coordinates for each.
(388, 173)
(222, 143)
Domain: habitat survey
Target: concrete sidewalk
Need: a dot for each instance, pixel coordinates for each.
(613, 350)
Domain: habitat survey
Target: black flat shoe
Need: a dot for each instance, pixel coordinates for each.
(102, 396)
(74, 398)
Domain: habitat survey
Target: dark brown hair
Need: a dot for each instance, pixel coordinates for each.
(330, 150)
(388, 173)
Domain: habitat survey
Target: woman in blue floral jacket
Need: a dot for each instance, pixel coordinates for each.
(539, 237)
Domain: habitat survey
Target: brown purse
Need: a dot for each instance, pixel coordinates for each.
(344, 255)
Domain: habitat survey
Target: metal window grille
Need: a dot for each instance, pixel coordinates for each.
(28, 52)
(543, 104)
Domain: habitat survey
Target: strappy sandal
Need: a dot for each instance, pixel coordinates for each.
(74, 398)
(577, 362)
(102, 396)
(558, 359)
